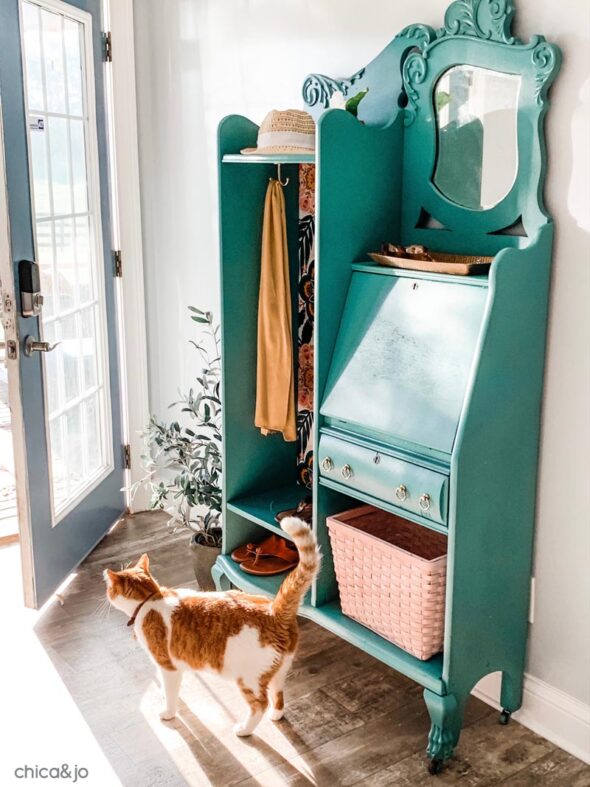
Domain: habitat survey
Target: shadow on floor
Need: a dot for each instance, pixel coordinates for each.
(349, 720)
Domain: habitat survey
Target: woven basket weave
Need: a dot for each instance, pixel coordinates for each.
(436, 261)
(392, 577)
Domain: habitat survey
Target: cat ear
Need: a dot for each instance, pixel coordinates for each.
(144, 563)
(108, 574)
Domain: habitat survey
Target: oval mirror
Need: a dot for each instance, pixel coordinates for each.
(476, 116)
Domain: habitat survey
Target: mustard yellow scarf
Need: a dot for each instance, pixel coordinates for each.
(275, 389)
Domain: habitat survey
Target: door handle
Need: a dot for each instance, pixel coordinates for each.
(33, 346)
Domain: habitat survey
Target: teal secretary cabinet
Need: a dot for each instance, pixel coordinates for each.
(427, 386)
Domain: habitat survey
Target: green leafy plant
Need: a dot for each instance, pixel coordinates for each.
(183, 463)
(352, 104)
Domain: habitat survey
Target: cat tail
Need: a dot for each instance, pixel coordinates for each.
(296, 584)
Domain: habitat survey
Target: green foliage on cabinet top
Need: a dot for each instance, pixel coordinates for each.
(402, 358)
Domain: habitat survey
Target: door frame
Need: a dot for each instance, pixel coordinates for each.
(17, 424)
(127, 232)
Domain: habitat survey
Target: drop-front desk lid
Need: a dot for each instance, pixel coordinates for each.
(403, 357)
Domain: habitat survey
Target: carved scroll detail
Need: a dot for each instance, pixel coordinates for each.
(415, 70)
(420, 34)
(487, 19)
(318, 89)
(544, 60)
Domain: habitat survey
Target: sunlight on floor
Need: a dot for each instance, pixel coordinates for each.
(42, 726)
(40, 723)
(200, 732)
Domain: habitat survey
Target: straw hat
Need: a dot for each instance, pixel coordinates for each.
(291, 131)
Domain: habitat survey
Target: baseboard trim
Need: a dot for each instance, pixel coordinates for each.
(551, 713)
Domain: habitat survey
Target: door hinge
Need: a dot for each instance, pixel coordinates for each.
(127, 456)
(118, 264)
(107, 44)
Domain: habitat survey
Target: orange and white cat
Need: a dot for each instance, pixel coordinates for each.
(245, 638)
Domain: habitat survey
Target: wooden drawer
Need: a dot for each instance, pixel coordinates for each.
(395, 481)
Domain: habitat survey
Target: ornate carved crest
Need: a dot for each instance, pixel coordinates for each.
(487, 19)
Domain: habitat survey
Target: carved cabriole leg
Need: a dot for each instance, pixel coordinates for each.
(220, 579)
(446, 715)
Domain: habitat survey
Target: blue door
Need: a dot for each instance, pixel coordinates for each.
(55, 152)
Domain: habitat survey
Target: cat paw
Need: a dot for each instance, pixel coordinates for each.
(242, 730)
(167, 715)
(276, 714)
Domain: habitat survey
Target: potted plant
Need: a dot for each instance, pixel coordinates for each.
(183, 463)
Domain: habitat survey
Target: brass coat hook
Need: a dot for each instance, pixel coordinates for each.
(286, 183)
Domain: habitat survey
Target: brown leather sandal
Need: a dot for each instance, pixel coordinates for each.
(273, 546)
(270, 565)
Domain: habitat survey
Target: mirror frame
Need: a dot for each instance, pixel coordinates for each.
(476, 33)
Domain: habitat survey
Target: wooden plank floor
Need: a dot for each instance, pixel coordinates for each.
(349, 720)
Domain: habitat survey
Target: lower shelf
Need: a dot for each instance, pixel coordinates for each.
(426, 673)
(262, 507)
(267, 586)
(330, 616)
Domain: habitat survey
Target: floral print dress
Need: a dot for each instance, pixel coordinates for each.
(305, 324)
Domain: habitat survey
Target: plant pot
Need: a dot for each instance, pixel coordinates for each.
(204, 556)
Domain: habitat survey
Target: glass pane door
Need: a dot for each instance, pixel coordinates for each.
(66, 215)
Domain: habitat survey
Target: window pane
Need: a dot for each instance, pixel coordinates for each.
(93, 444)
(38, 136)
(65, 264)
(60, 165)
(53, 375)
(70, 348)
(53, 58)
(83, 262)
(59, 468)
(72, 31)
(78, 166)
(88, 347)
(45, 260)
(74, 448)
(32, 39)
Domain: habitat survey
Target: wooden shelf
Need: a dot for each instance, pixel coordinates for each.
(330, 616)
(481, 280)
(269, 158)
(426, 673)
(262, 507)
(266, 586)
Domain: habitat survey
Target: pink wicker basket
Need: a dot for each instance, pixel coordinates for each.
(391, 575)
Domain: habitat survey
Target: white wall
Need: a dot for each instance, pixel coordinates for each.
(198, 60)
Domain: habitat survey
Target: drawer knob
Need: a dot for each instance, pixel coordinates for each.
(425, 502)
(347, 471)
(401, 492)
(327, 464)
(377, 458)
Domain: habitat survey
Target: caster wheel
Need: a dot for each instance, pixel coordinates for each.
(504, 717)
(435, 766)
